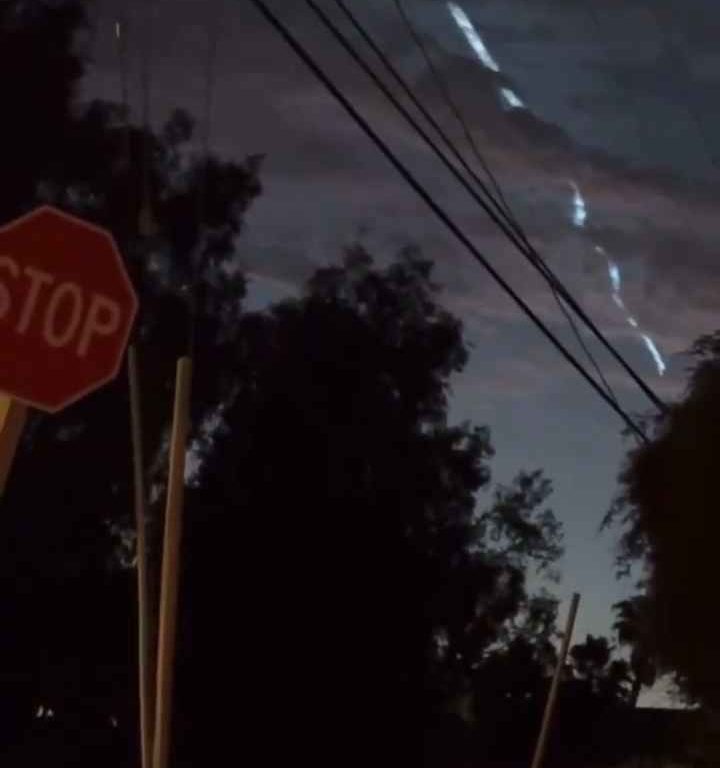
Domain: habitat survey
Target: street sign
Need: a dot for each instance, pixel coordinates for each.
(66, 308)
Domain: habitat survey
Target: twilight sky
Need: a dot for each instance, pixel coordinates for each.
(620, 99)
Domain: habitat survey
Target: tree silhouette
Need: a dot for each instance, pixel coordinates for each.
(635, 632)
(666, 506)
(38, 55)
(343, 506)
(346, 581)
(605, 676)
(67, 595)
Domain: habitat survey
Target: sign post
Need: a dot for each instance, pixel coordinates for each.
(12, 421)
(66, 310)
(171, 563)
(146, 623)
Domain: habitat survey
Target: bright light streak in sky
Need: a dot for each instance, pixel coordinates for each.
(659, 362)
(616, 282)
(117, 30)
(580, 213)
(472, 36)
(579, 208)
(511, 99)
(579, 219)
(614, 272)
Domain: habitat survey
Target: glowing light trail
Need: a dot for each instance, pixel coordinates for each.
(579, 218)
(659, 362)
(579, 207)
(615, 280)
(511, 99)
(472, 36)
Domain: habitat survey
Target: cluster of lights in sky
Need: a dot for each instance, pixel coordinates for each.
(511, 100)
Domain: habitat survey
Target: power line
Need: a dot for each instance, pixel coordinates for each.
(510, 228)
(434, 206)
(490, 206)
(578, 337)
(453, 106)
(450, 102)
(417, 103)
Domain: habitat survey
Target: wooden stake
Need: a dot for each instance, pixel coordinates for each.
(171, 563)
(13, 415)
(552, 696)
(146, 633)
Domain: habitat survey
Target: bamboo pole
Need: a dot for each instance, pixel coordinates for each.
(171, 563)
(146, 654)
(552, 696)
(13, 415)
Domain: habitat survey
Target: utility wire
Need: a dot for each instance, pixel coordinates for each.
(447, 97)
(578, 337)
(503, 207)
(434, 206)
(417, 103)
(491, 207)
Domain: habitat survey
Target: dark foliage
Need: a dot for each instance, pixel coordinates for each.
(667, 508)
(354, 588)
(66, 594)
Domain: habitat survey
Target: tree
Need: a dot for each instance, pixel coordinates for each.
(605, 676)
(667, 507)
(67, 595)
(594, 690)
(38, 55)
(511, 687)
(342, 576)
(634, 632)
(343, 506)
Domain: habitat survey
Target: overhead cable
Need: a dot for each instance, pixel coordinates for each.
(503, 206)
(491, 207)
(434, 206)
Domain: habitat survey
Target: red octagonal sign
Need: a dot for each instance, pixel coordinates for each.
(66, 308)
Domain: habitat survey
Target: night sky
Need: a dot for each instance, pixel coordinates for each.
(619, 98)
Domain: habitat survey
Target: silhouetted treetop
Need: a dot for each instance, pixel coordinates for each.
(667, 507)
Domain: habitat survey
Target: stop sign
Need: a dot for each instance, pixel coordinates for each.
(66, 308)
